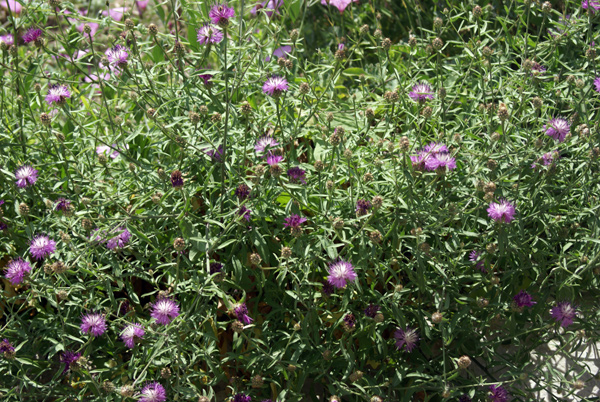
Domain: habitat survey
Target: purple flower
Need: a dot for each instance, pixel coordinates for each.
(120, 240)
(270, 7)
(117, 57)
(130, 333)
(245, 212)
(31, 35)
(164, 311)
(339, 4)
(434, 148)
(58, 94)
(537, 69)
(242, 192)
(206, 78)
(41, 246)
(419, 160)
(597, 84)
(440, 161)
(7, 39)
(153, 392)
(371, 310)
(273, 160)
(406, 338)
(241, 313)
(216, 154)
(327, 288)
(550, 157)
(294, 221)
(6, 347)
(523, 299)
(275, 86)
(557, 128)
(26, 176)
(362, 207)
(296, 175)
(16, 270)
(242, 398)
(62, 204)
(176, 179)
(479, 264)
(349, 321)
(209, 33)
(115, 13)
(220, 14)
(421, 92)
(340, 273)
(69, 358)
(12, 6)
(264, 142)
(498, 394)
(564, 312)
(591, 5)
(215, 267)
(501, 212)
(106, 150)
(282, 51)
(93, 324)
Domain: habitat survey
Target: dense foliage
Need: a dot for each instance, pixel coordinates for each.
(357, 201)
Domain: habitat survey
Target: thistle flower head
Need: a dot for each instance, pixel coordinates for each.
(440, 161)
(209, 33)
(120, 240)
(68, 358)
(502, 212)
(362, 207)
(523, 299)
(41, 246)
(421, 92)
(62, 204)
(273, 160)
(371, 310)
(296, 175)
(164, 310)
(241, 313)
(93, 324)
(58, 94)
(498, 393)
(406, 338)
(7, 39)
(557, 128)
(31, 35)
(294, 221)
(564, 313)
(479, 263)
(220, 14)
(16, 270)
(597, 84)
(265, 142)
(153, 392)
(26, 176)
(275, 86)
(131, 333)
(340, 273)
(242, 398)
(117, 56)
(591, 5)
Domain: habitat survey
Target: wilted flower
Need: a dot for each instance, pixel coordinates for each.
(275, 86)
(153, 392)
(421, 92)
(349, 322)
(176, 179)
(242, 398)
(362, 207)
(68, 358)
(557, 128)
(245, 212)
(93, 324)
(564, 313)
(58, 94)
(296, 175)
(406, 338)
(208, 34)
(26, 176)
(62, 204)
(131, 333)
(41, 246)
(340, 273)
(31, 35)
(216, 154)
(241, 313)
(371, 310)
(164, 310)
(501, 212)
(16, 270)
(523, 299)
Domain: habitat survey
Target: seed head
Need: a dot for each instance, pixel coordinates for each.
(503, 113)
(427, 112)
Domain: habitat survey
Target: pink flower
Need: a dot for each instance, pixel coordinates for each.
(93, 324)
(340, 273)
(164, 311)
(339, 4)
(131, 333)
(501, 212)
(115, 13)
(12, 5)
